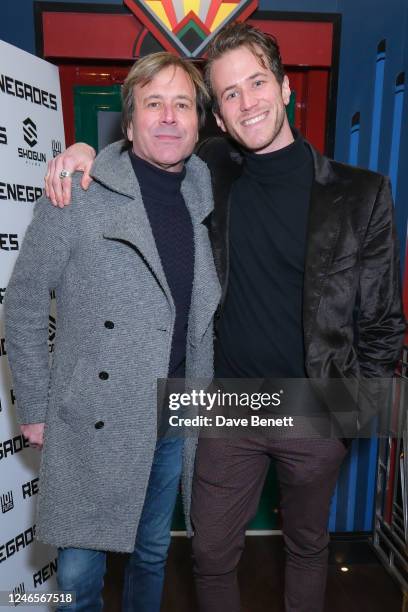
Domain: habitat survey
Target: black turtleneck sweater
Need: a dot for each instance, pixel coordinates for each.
(173, 233)
(260, 331)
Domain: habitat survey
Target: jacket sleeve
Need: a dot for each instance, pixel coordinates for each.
(380, 319)
(44, 254)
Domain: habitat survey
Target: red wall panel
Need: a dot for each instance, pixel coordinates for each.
(90, 35)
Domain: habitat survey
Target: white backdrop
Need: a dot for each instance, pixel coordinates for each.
(31, 132)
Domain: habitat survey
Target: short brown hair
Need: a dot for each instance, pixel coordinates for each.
(142, 73)
(237, 35)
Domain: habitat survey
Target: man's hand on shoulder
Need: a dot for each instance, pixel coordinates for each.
(78, 157)
(34, 432)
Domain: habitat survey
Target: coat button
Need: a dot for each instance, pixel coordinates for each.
(109, 324)
(99, 425)
(103, 375)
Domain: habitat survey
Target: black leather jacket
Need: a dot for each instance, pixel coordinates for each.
(352, 312)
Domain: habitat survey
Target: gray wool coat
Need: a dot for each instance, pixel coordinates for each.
(100, 256)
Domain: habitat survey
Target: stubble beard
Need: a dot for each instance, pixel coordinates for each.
(280, 119)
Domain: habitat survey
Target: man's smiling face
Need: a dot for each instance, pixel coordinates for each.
(164, 125)
(251, 101)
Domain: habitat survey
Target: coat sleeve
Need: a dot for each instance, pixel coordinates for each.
(380, 320)
(44, 254)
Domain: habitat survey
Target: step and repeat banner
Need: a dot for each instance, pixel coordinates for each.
(31, 132)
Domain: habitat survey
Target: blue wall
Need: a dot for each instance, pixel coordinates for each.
(364, 24)
(17, 20)
(372, 142)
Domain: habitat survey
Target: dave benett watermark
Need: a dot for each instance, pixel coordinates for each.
(279, 407)
(219, 400)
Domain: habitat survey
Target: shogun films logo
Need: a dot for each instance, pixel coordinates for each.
(30, 132)
(30, 135)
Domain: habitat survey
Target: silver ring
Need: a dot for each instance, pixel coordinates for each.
(65, 174)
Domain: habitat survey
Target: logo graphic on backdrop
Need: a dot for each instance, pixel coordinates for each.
(3, 135)
(52, 328)
(18, 590)
(25, 91)
(6, 502)
(20, 193)
(30, 132)
(56, 146)
(9, 242)
(17, 543)
(30, 135)
(10, 447)
(30, 488)
(45, 573)
(188, 26)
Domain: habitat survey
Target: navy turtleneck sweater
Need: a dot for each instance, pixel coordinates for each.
(173, 233)
(260, 331)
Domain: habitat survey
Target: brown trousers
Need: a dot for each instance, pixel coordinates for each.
(228, 482)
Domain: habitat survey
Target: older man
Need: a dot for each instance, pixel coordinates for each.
(136, 289)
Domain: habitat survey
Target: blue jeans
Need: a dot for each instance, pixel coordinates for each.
(82, 570)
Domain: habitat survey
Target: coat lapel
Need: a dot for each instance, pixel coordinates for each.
(131, 225)
(225, 163)
(322, 234)
(129, 222)
(206, 290)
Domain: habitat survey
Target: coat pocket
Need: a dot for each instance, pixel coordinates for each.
(74, 396)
